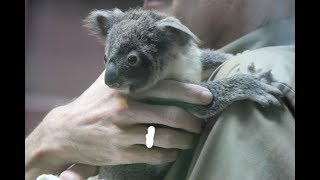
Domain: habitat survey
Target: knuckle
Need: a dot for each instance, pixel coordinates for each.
(119, 109)
(116, 157)
(165, 138)
(170, 139)
(120, 114)
(118, 135)
(119, 104)
(99, 159)
(172, 113)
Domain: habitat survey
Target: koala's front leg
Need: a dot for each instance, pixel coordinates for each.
(252, 86)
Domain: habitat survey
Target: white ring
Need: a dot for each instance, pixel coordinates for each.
(150, 136)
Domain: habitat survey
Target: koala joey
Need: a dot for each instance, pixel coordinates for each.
(143, 47)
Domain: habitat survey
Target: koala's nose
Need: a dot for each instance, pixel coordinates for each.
(111, 76)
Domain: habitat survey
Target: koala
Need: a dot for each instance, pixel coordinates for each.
(145, 46)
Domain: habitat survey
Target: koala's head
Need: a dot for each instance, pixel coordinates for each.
(139, 45)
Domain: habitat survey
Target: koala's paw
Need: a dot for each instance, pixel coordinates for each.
(266, 95)
(262, 92)
(255, 86)
(264, 76)
(201, 111)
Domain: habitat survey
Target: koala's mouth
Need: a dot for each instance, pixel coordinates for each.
(119, 85)
(127, 88)
(123, 86)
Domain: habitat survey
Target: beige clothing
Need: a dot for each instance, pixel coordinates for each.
(248, 142)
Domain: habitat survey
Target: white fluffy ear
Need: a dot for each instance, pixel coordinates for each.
(100, 21)
(174, 23)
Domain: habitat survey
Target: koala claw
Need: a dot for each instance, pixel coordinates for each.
(264, 76)
(265, 94)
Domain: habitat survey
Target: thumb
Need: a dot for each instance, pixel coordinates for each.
(79, 172)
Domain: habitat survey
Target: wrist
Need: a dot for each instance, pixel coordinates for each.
(44, 161)
(44, 154)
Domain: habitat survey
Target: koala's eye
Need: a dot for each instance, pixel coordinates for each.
(132, 59)
(105, 59)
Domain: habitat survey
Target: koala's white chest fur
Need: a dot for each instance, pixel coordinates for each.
(186, 65)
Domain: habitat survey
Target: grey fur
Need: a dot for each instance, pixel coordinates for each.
(211, 60)
(235, 88)
(166, 49)
(99, 24)
(174, 23)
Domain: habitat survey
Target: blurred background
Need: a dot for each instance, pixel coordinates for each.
(61, 59)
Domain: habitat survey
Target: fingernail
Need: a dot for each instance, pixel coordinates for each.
(206, 97)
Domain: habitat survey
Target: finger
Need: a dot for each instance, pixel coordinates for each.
(174, 90)
(155, 114)
(272, 100)
(79, 172)
(164, 137)
(273, 90)
(142, 154)
(261, 100)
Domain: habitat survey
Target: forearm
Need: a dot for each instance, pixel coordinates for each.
(42, 154)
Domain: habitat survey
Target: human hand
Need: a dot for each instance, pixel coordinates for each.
(102, 127)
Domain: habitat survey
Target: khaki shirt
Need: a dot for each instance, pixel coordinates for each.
(248, 142)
